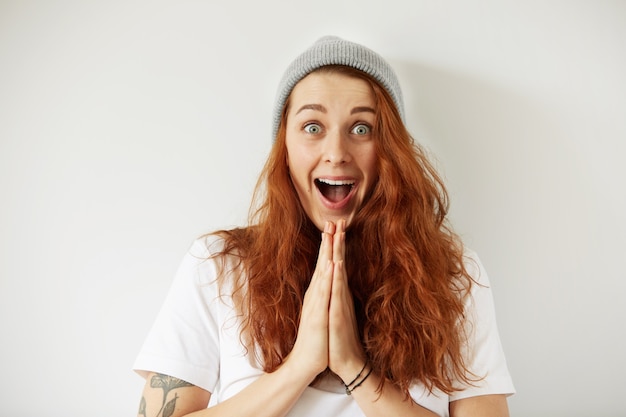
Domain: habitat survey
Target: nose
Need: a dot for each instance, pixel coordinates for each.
(336, 149)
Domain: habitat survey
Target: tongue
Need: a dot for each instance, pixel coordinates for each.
(335, 193)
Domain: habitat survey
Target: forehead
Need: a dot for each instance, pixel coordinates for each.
(335, 86)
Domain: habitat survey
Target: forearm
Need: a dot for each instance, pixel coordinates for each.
(390, 402)
(494, 405)
(271, 395)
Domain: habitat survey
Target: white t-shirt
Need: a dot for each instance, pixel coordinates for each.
(196, 338)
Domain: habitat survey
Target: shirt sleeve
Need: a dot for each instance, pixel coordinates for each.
(484, 353)
(184, 339)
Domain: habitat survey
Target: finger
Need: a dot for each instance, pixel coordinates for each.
(339, 239)
(317, 297)
(326, 247)
(310, 350)
(345, 347)
(339, 280)
(322, 276)
(340, 291)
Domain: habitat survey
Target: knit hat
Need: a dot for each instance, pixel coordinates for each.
(331, 50)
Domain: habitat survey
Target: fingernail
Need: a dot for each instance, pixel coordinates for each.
(327, 227)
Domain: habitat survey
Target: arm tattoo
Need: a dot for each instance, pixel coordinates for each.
(167, 384)
(142, 407)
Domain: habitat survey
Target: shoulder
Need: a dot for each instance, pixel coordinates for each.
(474, 267)
(203, 261)
(213, 247)
(214, 260)
(483, 351)
(207, 246)
(222, 243)
(478, 300)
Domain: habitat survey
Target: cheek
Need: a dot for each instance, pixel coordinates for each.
(300, 159)
(369, 164)
(297, 171)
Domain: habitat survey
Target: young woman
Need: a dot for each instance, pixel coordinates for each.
(348, 294)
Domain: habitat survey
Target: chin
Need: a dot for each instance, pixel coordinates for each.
(320, 220)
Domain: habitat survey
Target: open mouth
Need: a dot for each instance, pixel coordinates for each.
(334, 190)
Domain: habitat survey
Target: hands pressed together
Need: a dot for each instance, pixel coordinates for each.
(328, 336)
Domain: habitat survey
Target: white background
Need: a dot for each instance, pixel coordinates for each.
(128, 128)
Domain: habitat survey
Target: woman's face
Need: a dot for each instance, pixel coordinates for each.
(330, 145)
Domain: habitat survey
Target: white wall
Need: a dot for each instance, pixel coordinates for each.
(127, 128)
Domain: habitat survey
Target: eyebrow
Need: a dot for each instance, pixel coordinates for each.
(363, 109)
(317, 107)
(320, 108)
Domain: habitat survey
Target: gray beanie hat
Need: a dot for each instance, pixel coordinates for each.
(331, 50)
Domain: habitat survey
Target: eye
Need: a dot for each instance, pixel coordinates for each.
(361, 129)
(312, 128)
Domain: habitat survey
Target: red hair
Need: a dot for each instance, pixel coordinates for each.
(405, 264)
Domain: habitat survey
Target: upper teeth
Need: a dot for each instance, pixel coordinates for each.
(336, 182)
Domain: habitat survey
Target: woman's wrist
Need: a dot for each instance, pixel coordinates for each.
(298, 371)
(348, 369)
(358, 380)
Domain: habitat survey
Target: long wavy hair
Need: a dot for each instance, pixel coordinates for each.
(405, 264)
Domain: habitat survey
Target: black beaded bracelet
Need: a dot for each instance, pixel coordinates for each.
(349, 390)
(357, 376)
(349, 387)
